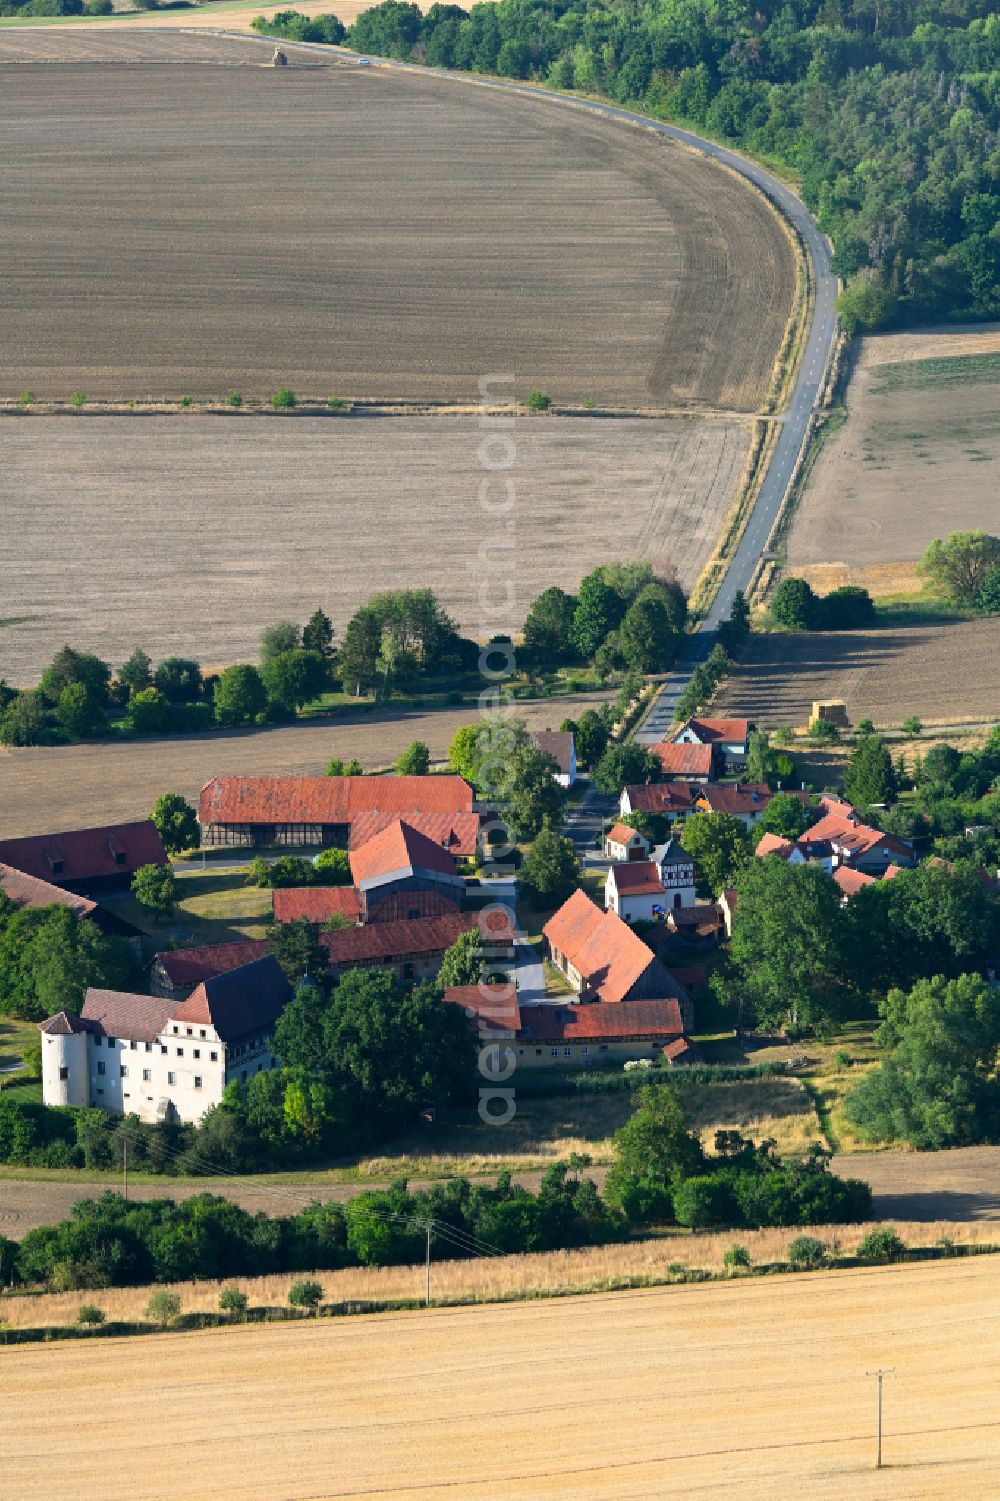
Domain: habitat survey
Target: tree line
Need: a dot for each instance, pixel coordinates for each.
(886, 110)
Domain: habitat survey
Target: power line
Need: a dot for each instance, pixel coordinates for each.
(879, 1373)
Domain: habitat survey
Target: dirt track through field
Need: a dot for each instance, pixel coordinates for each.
(753, 1389)
(356, 232)
(73, 786)
(187, 535)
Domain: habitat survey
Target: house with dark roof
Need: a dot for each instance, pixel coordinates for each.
(604, 960)
(412, 949)
(29, 891)
(288, 811)
(161, 1059)
(666, 799)
(561, 746)
(91, 861)
(729, 737)
(744, 800)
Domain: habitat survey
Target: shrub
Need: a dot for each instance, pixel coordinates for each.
(866, 727)
(882, 1244)
(842, 1058)
(163, 1307)
(234, 399)
(77, 398)
(305, 1294)
(336, 403)
(737, 1258)
(185, 401)
(90, 1314)
(99, 8)
(913, 725)
(25, 398)
(283, 397)
(538, 401)
(823, 732)
(847, 608)
(806, 1252)
(231, 1300)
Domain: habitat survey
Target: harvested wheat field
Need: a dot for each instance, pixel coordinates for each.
(208, 528)
(73, 786)
(361, 233)
(748, 1388)
(944, 673)
(918, 457)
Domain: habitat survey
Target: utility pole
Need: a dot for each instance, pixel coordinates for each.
(427, 1291)
(882, 1371)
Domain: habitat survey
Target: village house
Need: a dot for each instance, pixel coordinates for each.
(161, 1059)
(561, 746)
(341, 812)
(412, 949)
(644, 890)
(854, 843)
(687, 763)
(804, 851)
(729, 737)
(580, 1036)
(664, 799)
(91, 861)
(744, 800)
(28, 891)
(175, 973)
(604, 960)
(623, 843)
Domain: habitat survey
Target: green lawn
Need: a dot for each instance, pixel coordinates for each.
(215, 907)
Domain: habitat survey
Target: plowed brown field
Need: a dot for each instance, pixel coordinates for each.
(749, 1389)
(187, 534)
(360, 232)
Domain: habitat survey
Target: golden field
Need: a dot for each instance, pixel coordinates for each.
(751, 1388)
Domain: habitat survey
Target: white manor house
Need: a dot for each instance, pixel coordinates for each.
(164, 1059)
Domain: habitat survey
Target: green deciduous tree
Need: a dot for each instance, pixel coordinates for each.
(155, 888)
(415, 760)
(785, 815)
(176, 823)
(136, 673)
(551, 869)
(958, 566)
(590, 736)
(68, 667)
(599, 610)
(22, 721)
(870, 776)
(179, 679)
(295, 677)
(795, 607)
(79, 711)
(647, 638)
(548, 627)
(49, 957)
(654, 1150)
(788, 943)
(240, 695)
(720, 845)
(277, 639)
(625, 764)
(297, 949)
(148, 712)
(464, 962)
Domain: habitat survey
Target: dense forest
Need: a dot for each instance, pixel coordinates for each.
(886, 111)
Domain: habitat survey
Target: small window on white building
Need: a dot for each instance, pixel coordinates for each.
(171, 1078)
(149, 1047)
(64, 1073)
(201, 1032)
(214, 1057)
(197, 1081)
(133, 1046)
(163, 1047)
(176, 1030)
(189, 1031)
(147, 1074)
(123, 1071)
(180, 1052)
(196, 1053)
(100, 1066)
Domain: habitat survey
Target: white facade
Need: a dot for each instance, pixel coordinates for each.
(178, 1076)
(659, 885)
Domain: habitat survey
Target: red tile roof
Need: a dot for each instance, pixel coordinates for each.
(684, 760)
(680, 1051)
(247, 999)
(662, 797)
(328, 800)
(620, 833)
(572, 924)
(393, 940)
(315, 903)
(851, 881)
(637, 877)
(455, 832)
(186, 968)
(399, 848)
(86, 853)
(706, 917)
(29, 891)
(712, 731)
(845, 829)
(735, 797)
(495, 1007)
(773, 844)
(117, 1013)
(593, 1021)
(63, 1024)
(605, 951)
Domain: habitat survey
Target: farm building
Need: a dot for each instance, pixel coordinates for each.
(561, 746)
(176, 972)
(315, 903)
(492, 1009)
(335, 811)
(730, 737)
(87, 860)
(579, 1036)
(412, 949)
(665, 799)
(28, 891)
(604, 960)
(162, 1059)
(401, 875)
(687, 763)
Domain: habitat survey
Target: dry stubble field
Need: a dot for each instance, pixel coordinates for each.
(750, 1388)
(361, 233)
(73, 786)
(207, 528)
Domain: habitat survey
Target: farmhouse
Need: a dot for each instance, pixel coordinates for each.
(91, 860)
(402, 875)
(688, 762)
(853, 842)
(161, 1059)
(604, 960)
(28, 891)
(623, 843)
(643, 890)
(578, 1036)
(730, 737)
(561, 746)
(666, 799)
(744, 800)
(335, 811)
